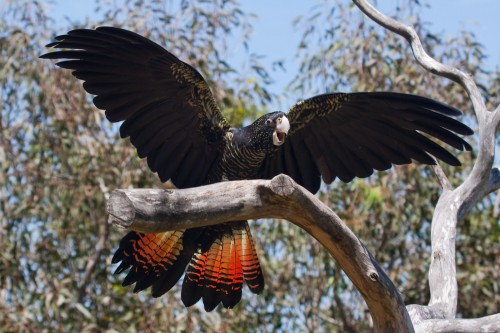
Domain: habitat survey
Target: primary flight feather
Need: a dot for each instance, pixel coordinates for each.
(173, 120)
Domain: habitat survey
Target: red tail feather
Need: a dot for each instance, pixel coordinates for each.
(219, 258)
(252, 272)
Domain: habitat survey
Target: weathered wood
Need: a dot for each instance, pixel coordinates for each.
(453, 204)
(488, 324)
(160, 210)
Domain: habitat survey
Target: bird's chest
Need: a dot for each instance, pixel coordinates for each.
(241, 162)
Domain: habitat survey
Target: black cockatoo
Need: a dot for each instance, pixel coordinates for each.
(173, 120)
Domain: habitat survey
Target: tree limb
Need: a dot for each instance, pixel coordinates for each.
(158, 210)
(421, 56)
(441, 176)
(488, 324)
(452, 205)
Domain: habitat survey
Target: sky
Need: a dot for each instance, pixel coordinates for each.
(446, 16)
(275, 17)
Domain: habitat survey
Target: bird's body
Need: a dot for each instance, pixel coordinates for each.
(172, 119)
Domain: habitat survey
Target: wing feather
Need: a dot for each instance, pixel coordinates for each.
(292, 164)
(319, 159)
(166, 166)
(192, 167)
(156, 95)
(350, 135)
(355, 159)
(369, 151)
(156, 133)
(310, 177)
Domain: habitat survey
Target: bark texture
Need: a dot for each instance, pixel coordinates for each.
(154, 210)
(453, 204)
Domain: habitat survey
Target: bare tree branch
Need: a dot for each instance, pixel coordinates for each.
(441, 176)
(452, 205)
(492, 184)
(421, 56)
(488, 324)
(160, 210)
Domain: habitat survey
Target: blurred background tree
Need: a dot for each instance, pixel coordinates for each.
(60, 158)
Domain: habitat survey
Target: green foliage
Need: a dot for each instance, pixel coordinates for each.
(60, 159)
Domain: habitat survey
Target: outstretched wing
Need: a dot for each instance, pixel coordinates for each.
(350, 135)
(166, 105)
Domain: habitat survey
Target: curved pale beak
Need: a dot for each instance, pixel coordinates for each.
(281, 130)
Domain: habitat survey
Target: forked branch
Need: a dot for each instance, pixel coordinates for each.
(453, 204)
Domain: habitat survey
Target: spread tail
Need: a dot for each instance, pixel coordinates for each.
(219, 258)
(216, 272)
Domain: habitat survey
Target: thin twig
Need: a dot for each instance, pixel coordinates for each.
(442, 178)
